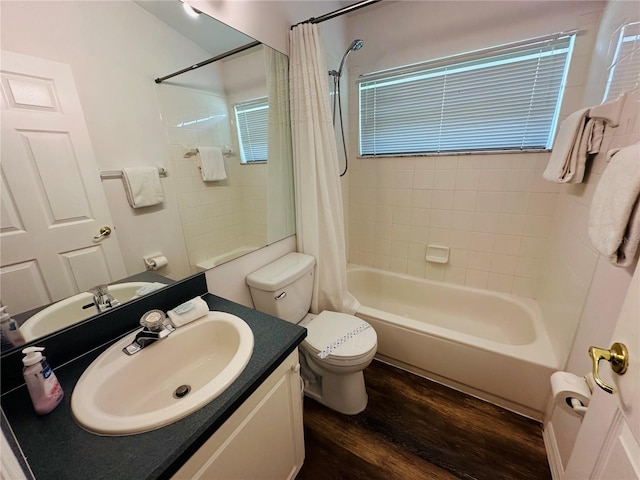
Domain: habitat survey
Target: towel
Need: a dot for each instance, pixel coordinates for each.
(142, 186)
(614, 218)
(211, 164)
(152, 287)
(188, 312)
(578, 137)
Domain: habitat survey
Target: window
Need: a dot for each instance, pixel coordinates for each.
(251, 122)
(504, 98)
(624, 72)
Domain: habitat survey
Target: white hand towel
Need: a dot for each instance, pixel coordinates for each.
(142, 186)
(211, 164)
(188, 312)
(614, 218)
(566, 164)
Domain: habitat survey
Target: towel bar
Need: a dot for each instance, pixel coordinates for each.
(226, 152)
(610, 111)
(107, 174)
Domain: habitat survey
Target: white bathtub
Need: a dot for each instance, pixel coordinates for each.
(489, 344)
(205, 265)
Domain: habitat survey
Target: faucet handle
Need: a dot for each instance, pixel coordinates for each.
(153, 320)
(99, 290)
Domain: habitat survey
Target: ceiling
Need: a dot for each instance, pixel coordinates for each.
(209, 34)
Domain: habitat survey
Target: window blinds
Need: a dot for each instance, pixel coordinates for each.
(507, 99)
(624, 72)
(252, 125)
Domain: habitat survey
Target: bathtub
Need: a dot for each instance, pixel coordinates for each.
(491, 345)
(205, 265)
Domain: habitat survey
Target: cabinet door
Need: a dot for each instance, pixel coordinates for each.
(263, 439)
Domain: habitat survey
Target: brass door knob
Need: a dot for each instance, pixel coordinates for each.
(617, 356)
(104, 232)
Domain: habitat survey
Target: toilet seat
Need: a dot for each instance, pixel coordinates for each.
(342, 339)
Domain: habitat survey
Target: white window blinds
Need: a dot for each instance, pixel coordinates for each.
(251, 122)
(505, 98)
(624, 71)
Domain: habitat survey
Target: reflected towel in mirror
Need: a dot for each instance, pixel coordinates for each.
(211, 163)
(142, 186)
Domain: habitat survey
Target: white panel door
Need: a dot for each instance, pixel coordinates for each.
(53, 204)
(608, 443)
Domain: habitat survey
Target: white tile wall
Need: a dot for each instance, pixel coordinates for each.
(487, 208)
(216, 217)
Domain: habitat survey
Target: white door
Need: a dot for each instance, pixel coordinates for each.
(608, 443)
(52, 201)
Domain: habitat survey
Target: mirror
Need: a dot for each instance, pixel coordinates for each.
(114, 51)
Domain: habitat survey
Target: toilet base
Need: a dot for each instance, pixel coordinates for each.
(344, 393)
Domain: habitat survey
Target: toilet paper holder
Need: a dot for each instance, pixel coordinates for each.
(617, 356)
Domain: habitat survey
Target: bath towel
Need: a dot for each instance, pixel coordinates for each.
(614, 218)
(211, 163)
(142, 186)
(578, 137)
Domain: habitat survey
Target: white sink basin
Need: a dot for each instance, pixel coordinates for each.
(120, 394)
(69, 311)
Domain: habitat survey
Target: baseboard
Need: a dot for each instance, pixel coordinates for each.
(553, 454)
(474, 392)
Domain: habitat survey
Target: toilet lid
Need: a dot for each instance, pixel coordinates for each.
(340, 335)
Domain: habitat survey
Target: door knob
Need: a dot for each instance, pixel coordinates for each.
(104, 232)
(617, 356)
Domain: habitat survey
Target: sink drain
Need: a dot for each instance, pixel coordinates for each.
(181, 391)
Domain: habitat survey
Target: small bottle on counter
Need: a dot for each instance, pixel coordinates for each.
(44, 388)
(11, 333)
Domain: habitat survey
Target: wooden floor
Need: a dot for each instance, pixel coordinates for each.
(416, 429)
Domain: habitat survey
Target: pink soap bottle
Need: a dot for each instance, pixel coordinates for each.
(44, 388)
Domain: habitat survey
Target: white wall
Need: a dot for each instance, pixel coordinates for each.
(269, 21)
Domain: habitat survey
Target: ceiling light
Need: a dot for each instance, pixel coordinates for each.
(192, 12)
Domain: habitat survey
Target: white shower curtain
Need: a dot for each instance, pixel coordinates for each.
(319, 214)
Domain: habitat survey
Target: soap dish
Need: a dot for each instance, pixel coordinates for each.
(437, 254)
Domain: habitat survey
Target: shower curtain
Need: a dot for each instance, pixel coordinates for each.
(280, 196)
(319, 214)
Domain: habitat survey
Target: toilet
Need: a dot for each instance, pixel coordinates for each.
(338, 346)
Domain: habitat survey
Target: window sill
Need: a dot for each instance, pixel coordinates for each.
(455, 154)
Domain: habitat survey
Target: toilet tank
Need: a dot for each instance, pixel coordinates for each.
(283, 288)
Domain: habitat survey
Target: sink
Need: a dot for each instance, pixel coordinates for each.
(123, 394)
(72, 310)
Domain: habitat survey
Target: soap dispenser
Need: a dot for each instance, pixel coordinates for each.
(44, 388)
(10, 330)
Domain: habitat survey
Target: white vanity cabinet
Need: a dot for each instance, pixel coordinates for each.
(263, 439)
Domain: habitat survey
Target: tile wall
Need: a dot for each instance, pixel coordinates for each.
(216, 217)
(494, 212)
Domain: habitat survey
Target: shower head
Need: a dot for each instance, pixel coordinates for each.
(357, 44)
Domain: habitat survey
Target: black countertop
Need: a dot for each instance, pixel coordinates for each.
(57, 448)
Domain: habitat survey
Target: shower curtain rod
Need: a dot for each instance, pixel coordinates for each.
(207, 62)
(339, 12)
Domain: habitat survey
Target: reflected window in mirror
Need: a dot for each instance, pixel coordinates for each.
(252, 122)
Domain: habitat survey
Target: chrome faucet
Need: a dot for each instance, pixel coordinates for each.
(102, 299)
(154, 329)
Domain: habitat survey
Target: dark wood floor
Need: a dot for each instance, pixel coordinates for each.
(417, 429)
